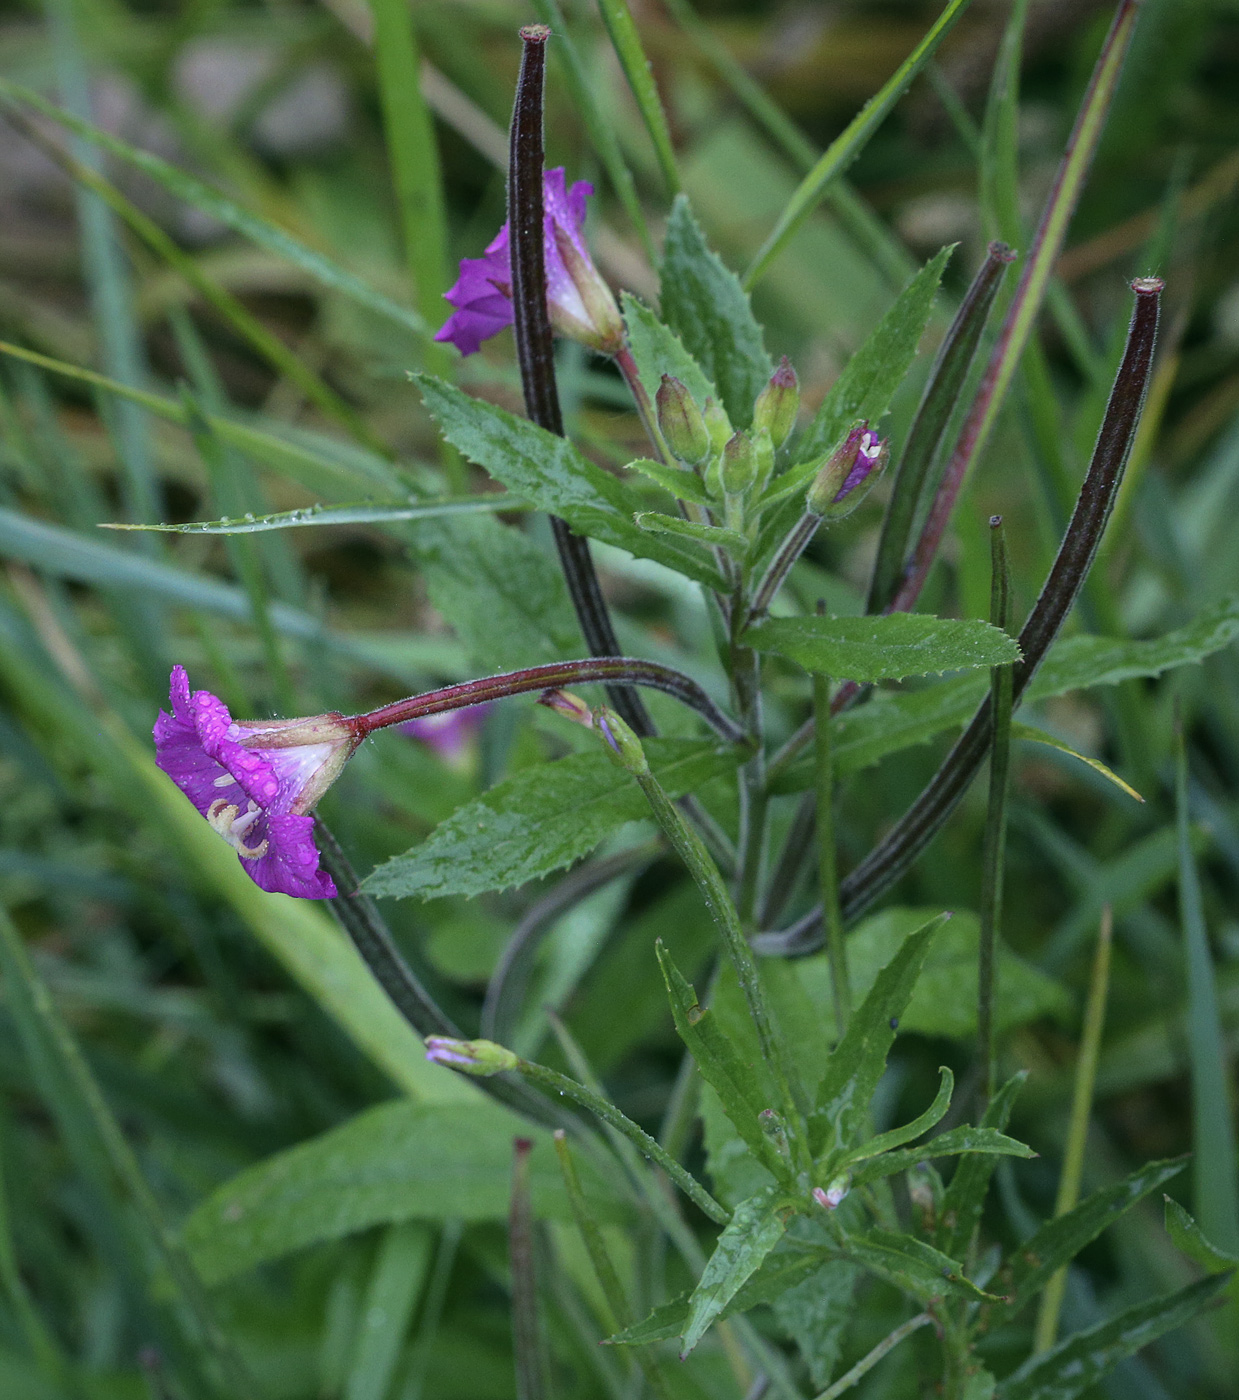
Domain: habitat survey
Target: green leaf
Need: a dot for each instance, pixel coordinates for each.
(1032, 735)
(815, 1313)
(733, 541)
(1190, 1238)
(959, 1141)
(1077, 1364)
(736, 1083)
(1058, 1241)
(896, 1137)
(705, 305)
(657, 350)
(913, 1266)
(859, 1060)
(542, 819)
(360, 513)
(622, 31)
(755, 1228)
(890, 722)
(551, 474)
(398, 1161)
(399, 1277)
(681, 483)
(878, 368)
(884, 648)
(964, 1198)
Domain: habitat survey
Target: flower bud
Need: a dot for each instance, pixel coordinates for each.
(847, 474)
(763, 458)
(718, 425)
(621, 741)
(478, 1057)
(680, 421)
(580, 302)
(739, 465)
(833, 1195)
(572, 707)
(778, 403)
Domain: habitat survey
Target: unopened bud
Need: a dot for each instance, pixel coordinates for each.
(718, 425)
(778, 403)
(739, 467)
(680, 421)
(477, 1057)
(848, 473)
(621, 741)
(832, 1196)
(572, 707)
(763, 457)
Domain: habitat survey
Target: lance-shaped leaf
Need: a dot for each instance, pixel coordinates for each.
(757, 1225)
(859, 1059)
(896, 1137)
(658, 350)
(884, 648)
(1059, 1240)
(705, 305)
(1077, 1364)
(913, 1266)
(735, 1081)
(543, 818)
(360, 513)
(1190, 1238)
(959, 1141)
(733, 541)
(964, 1198)
(550, 473)
(683, 484)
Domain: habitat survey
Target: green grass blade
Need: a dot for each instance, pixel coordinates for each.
(627, 44)
(845, 148)
(1000, 168)
(363, 513)
(400, 1273)
(1215, 1171)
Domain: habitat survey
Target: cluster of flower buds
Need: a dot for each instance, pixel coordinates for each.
(847, 475)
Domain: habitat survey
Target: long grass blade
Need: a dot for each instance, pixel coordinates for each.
(527, 1340)
(618, 20)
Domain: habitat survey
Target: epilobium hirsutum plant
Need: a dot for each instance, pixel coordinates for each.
(649, 917)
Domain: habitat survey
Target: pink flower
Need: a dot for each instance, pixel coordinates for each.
(580, 302)
(448, 732)
(256, 782)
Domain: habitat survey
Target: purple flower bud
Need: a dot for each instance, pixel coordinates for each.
(256, 781)
(832, 1196)
(449, 733)
(478, 1057)
(848, 473)
(680, 421)
(572, 707)
(580, 302)
(778, 403)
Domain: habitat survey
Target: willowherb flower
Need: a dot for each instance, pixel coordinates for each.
(848, 473)
(256, 781)
(449, 732)
(580, 302)
(479, 1057)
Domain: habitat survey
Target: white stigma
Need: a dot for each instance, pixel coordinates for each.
(233, 825)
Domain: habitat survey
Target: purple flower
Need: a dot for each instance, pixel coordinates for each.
(448, 733)
(580, 302)
(255, 782)
(846, 476)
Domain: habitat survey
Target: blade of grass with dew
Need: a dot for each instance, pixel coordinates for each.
(1215, 1170)
(626, 42)
(217, 206)
(364, 513)
(1068, 1197)
(844, 150)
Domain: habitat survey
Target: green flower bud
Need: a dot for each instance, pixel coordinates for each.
(718, 425)
(763, 457)
(848, 473)
(478, 1057)
(680, 421)
(778, 403)
(621, 741)
(739, 465)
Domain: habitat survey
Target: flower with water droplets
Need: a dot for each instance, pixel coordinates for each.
(256, 781)
(580, 302)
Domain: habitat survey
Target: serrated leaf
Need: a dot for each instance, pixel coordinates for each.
(679, 481)
(703, 302)
(736, 1083)
(964, 1198)
(540, 820)
(816, 1312)
(1077, 1364)
(1058, 1241)
(896, 1137)
(733, 541)
(657, 350)
(876, 370)
(884, 648)
(859, 1060)
(551, 474)
(958, 1141)
(756, 1226)
(399, 1161)
(913, 1266)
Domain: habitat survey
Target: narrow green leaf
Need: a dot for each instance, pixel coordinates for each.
(734, 541)
(400, 1272)
(873, 374)
(1059, 1240)
(896, 1137)
(958, 1142)
(736, 1082)
(1190, 1238)
(913, 1266)
(964, 1198)
(361, 513)
(627, 43)
(551, 474)
(846, 147)
(753, 1231)
(1076, 1365)
(658, 350)
(396, 1162)
(884, 648)
(1032, 735)
(682, 484)
(540, 820)
(705, 305)
(859, 1059)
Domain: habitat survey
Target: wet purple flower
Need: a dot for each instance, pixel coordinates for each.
(847, 475)
(255, 782)
(449, 732)
(580, 302)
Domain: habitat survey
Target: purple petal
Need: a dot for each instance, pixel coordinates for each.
(291, 863)
(482, 309)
